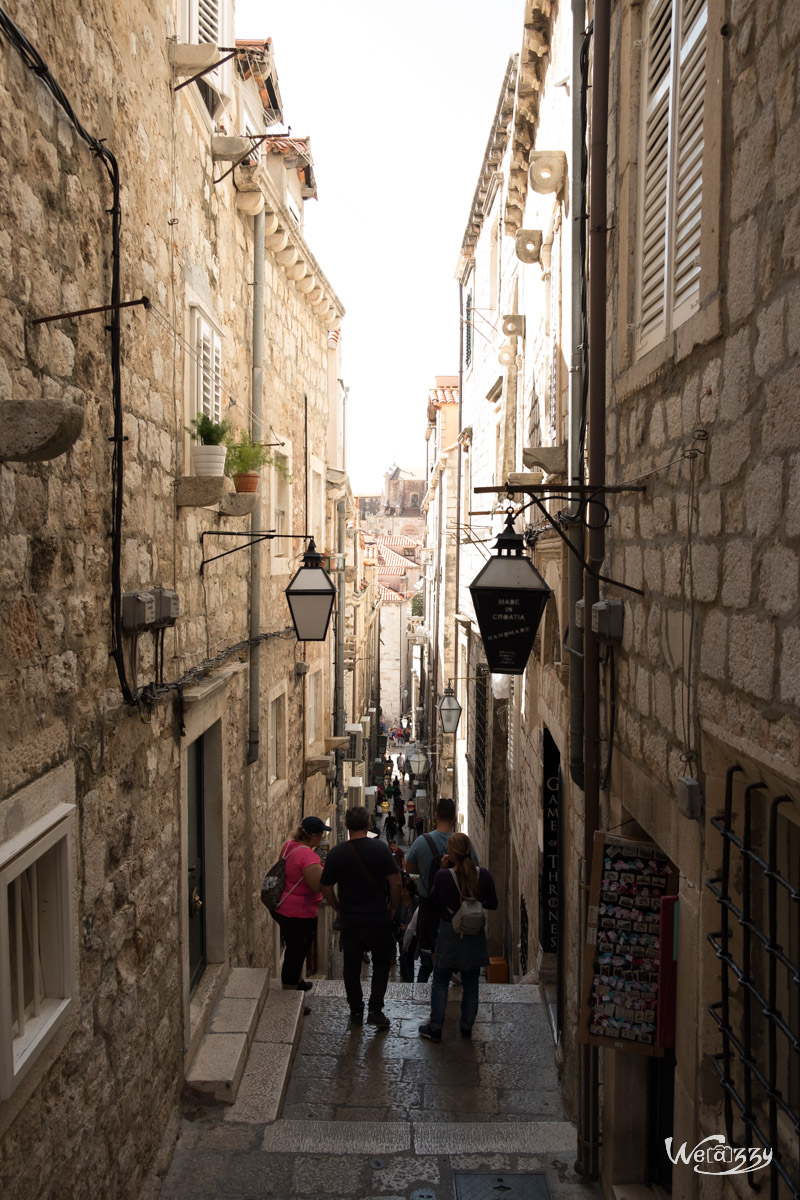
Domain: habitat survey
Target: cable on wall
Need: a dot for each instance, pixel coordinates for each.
(34, 61)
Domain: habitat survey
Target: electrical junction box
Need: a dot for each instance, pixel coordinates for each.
(167, 607)
(138, 611)
(580, 610)
(690, 798)
(607, 620)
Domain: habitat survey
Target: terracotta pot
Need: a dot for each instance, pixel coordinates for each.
(209, 460)
(246, 483)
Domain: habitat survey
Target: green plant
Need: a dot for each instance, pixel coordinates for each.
(416, 605)
(209, 433)
(245, 455)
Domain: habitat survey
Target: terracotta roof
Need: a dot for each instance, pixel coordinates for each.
(296, 153)
(389, 596)
(443, 395)
(393, 564)
(256, 62)
(387, 540)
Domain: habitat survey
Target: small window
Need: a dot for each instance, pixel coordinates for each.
(207, 347)
(415, 500)
(281, 522)
(314, 714)
(277, 739)
(36, 941)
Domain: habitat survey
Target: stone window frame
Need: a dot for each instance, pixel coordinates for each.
(38, 839)
(278, 740)
(314, 707)
(280, 486)
(705, 323)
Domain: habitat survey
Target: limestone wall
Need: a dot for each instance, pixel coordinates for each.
(119, 1068)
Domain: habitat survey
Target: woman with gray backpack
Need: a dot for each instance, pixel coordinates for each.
(462, 891)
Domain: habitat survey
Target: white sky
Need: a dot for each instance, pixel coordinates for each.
(398, 100)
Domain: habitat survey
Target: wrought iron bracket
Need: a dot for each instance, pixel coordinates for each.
(254, 537)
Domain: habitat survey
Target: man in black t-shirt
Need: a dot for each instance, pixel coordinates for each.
(368, 881)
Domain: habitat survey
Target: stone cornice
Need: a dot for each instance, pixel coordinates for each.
(286, 243)
(532, 68)
(493, 156)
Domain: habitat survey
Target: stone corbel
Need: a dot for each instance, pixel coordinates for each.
(39, 429)
(550, 459)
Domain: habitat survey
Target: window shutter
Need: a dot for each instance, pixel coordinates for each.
(208, 350)
(689, 159)
(657, 76)
(208, 21)
(468, 332)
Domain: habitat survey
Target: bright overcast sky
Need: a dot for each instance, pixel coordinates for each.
(398, 101)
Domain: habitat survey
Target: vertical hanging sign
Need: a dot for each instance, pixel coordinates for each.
(549, 914)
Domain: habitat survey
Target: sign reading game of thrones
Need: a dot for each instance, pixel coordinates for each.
(509, 597)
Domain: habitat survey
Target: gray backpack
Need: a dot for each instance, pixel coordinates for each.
(469, 918)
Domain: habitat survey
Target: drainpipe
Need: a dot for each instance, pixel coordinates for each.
(339, 721)
(256, 517)
(588, 1132)
(456, 602)
(575, 463)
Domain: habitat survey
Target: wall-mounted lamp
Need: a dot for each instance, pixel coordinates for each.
(449, 709)
(310, 595)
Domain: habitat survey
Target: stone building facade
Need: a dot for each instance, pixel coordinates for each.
(687, 736)
(147, 777)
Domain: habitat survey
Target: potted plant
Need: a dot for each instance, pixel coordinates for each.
(210, 451)
(245, 460)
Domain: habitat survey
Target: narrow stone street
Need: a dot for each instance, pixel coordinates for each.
(370, 1114)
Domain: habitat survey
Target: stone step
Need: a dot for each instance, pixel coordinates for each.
(269, 1063)
(220, 1060)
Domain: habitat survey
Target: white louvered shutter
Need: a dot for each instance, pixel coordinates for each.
(208, 21)
(689, 160)
(209, 370)
(654, 189)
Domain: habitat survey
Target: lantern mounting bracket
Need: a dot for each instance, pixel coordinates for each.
(254, 537)
(532, 489)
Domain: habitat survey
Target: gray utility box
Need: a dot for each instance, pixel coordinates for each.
(607, 620)
(138, 611)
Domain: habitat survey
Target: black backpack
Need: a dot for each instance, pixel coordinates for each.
(436, 862)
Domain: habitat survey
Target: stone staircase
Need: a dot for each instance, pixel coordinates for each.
(245, 1056)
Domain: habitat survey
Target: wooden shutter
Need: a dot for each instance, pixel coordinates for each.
(208, 21)
(468, 332)
(689, 160)
(209, 370)
(654, 188)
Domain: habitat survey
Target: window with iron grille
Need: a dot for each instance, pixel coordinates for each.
(758, 944)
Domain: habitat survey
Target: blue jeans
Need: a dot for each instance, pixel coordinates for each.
(469, 996)
(425, 966)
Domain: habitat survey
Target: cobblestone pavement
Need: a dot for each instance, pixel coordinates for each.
(385, 1115)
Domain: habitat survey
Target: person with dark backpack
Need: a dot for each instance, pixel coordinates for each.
(424, 860)
(462, 892)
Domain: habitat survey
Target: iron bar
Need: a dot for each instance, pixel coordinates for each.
(85, 312)
(206, 70)
(255, 536)
(255, 141)
(558, 488)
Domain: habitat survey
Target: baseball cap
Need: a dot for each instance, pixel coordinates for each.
(314, 825)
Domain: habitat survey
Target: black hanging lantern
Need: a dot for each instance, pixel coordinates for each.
(449, 710)
(509, 596)
(311, 594)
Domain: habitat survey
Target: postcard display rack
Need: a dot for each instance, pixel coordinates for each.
(620, 1001)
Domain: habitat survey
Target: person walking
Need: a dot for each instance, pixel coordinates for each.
(423, 853)
(461, 940)
(405, 913)
(296, 911)
(367, 881)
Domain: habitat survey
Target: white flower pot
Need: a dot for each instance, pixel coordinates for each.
(209, 460)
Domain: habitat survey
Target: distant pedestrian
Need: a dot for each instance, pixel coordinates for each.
(406, 735)
(398, 854)
(401, 764)
(367, 895)
(459, 949)
(390, 826)
(404, 918)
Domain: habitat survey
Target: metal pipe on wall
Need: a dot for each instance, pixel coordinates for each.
(588, 1133)
(256, 517)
